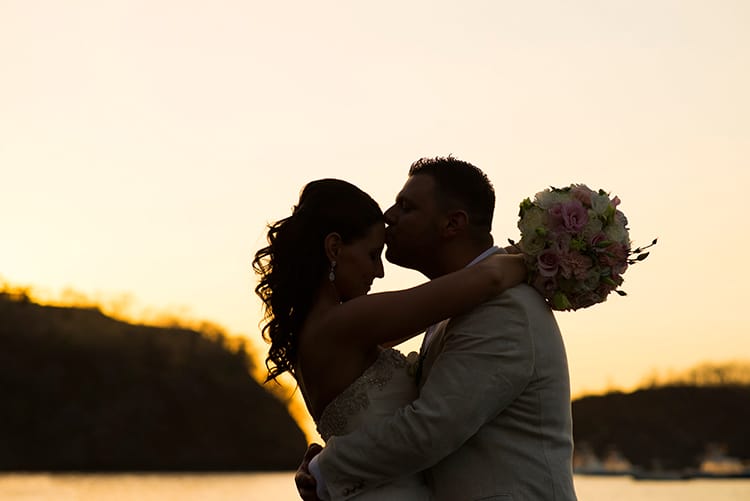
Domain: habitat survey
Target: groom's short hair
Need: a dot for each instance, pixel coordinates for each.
(460, 185)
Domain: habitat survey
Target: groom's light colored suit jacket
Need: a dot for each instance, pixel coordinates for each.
(493, 419)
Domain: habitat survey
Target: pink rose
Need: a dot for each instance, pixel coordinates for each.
(620, 218)
(582, 193)
(599, 237)
(575, 265)
(587, 298)
(603, 291)
(570, 216)
(545, 285)
(615, 256)
(548, 263)
(561, 244)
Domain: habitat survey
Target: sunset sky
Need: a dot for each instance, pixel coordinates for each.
(144, 145)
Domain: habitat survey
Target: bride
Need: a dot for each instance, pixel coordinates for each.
(332, 336)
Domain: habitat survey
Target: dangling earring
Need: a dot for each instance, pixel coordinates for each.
(332, 273)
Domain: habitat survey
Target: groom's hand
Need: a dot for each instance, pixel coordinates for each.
(303, 479)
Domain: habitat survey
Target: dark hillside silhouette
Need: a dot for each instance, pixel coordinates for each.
(82, 391)
(668, 427)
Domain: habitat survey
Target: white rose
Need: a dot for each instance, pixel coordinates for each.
(616, 232)
(532, 219)
(532, 245)
(546, 199)
(593, 227)
(599, 203)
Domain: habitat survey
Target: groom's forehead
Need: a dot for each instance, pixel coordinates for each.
(417, 187)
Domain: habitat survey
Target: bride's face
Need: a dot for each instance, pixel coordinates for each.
(359, 263)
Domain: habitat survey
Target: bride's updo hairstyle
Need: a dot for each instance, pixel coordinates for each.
(294, 263)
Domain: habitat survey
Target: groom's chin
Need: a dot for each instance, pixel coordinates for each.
(397, 259)
(390, 257)
(393, 257)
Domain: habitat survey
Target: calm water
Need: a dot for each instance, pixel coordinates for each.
(280, 487)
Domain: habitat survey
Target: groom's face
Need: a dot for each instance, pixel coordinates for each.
(413, 231)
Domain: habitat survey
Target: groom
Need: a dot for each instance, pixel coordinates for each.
(493, 418)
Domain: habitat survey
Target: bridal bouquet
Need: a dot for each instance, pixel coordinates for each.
(576, 245)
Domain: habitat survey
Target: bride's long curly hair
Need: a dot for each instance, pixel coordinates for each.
(294, 263)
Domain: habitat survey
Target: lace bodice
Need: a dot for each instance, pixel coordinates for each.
(383, 388)
(387, 385)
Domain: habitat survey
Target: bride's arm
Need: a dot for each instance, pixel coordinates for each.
(382, 318)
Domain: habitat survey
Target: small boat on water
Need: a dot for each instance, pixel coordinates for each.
(717, 464)
(614, 464)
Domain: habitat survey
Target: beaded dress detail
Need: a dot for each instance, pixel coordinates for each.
(383, 388)
(347, 411)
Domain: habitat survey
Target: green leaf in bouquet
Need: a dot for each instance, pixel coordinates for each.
(609, 214)
(641, 249)
(639, 257)
(560, 301)
(515, 245)
(578, 244)
(608, 280)
(525, 205)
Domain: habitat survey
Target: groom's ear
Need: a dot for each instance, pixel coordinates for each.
(332, 244)
(455, 223)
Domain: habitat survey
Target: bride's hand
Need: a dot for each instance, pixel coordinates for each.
(306, 485)
(508, 270)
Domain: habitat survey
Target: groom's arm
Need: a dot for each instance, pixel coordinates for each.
(486, 362)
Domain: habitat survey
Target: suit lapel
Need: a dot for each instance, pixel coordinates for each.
(429, 353)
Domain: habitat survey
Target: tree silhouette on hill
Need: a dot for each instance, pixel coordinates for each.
(669, 427)
(82, 391)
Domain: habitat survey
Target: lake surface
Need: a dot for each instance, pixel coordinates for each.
(280, 487)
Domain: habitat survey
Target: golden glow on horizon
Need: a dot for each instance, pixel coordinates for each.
(144, 145)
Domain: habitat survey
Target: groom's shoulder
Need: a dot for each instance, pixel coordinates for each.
(522, 295)
(519, 301)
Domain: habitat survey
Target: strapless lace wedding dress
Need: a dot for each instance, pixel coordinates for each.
(387, 385)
